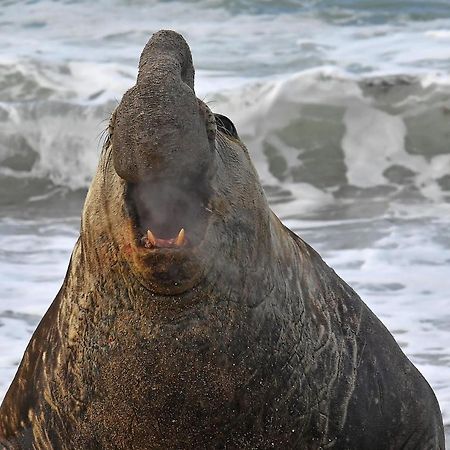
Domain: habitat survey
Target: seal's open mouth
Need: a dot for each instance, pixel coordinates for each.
(167, 216)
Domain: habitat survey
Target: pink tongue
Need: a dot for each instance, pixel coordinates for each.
(165, 242)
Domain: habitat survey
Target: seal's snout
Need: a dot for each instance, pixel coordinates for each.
(161, 129)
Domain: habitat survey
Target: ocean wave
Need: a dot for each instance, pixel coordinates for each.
(55, 140)
(345, 136)
(349, 136)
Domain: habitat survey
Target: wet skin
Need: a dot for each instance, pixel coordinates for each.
(190, 317)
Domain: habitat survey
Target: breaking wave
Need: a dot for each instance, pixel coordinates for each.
(338, 134)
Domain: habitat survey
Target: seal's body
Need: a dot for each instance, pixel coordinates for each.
(191, 318)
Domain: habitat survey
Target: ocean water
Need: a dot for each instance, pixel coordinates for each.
(345, 108)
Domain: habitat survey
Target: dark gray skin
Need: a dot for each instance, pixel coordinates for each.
(243, 338)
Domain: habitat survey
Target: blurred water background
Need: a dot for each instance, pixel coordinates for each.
(344, 105)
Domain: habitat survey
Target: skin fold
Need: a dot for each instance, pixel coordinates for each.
(241, 338)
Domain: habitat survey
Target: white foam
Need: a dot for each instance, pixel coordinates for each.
(372, 142)
(375, 140)
(438, 34)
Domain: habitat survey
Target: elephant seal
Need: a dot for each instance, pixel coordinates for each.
(192, 318)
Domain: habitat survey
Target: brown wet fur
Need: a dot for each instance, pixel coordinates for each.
(247, 340)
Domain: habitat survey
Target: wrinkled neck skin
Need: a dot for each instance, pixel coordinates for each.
(185, 356)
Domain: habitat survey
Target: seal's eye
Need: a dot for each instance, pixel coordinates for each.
(225, 125)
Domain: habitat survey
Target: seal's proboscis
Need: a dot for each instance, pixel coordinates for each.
(192, 318)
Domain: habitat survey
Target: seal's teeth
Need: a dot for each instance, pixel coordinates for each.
(180, 238)
(150, 238)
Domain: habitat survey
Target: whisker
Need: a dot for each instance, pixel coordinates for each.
(103, 136)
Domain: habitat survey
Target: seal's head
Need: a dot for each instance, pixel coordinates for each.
(180, 194)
